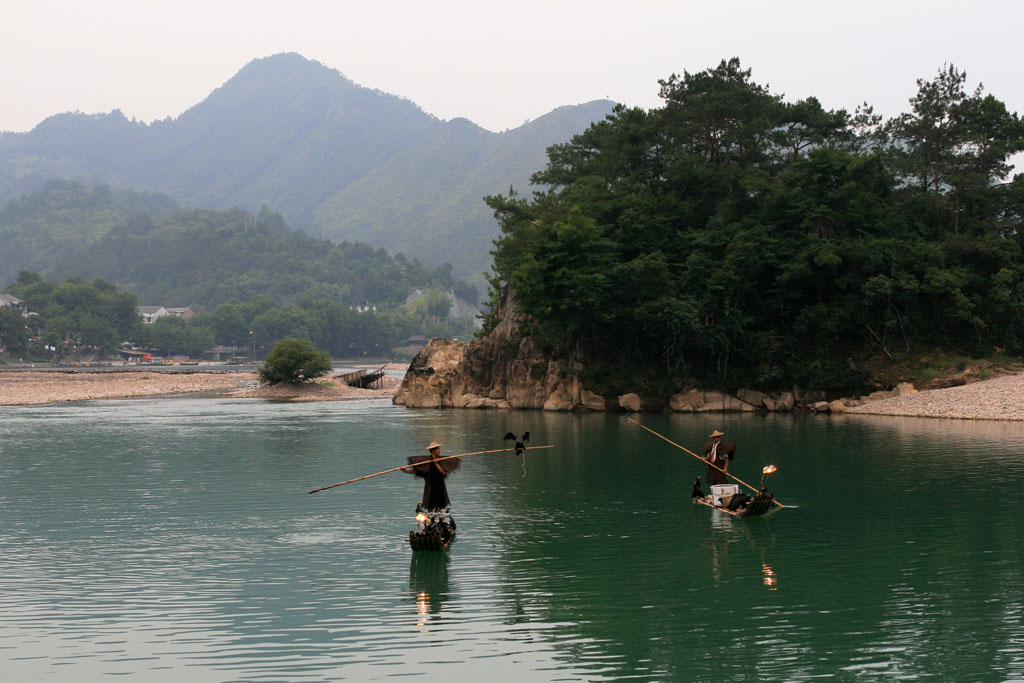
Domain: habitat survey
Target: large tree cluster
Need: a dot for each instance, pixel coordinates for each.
(730, 237)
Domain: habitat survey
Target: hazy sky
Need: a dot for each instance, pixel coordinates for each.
(496, 63)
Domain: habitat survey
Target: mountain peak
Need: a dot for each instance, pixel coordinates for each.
(285, 74)
(287, 65)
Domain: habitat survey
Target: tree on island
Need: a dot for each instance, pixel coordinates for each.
(294, 360)
(731, 238)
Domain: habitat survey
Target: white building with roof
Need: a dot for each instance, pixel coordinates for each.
(151, 313)
(14, 302)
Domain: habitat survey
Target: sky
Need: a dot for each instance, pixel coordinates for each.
(498, 64)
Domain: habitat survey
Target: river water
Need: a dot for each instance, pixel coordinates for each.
(172, 539)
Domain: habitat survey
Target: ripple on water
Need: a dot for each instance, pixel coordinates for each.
(159, 536)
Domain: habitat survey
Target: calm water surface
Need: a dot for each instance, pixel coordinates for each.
(172, 539)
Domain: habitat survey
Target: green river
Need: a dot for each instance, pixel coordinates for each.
(173, 539)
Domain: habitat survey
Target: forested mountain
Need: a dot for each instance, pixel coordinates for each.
(39, 229)
(203, 258)
(731, 238)
(442, 183)
(251, 279)
(294, 135)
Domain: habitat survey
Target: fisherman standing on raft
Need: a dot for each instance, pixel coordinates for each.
(718, 453)
(433, 472)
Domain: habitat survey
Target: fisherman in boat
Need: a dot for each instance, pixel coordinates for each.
(433, 472)
(718, 453)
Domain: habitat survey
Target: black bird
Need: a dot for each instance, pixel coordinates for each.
(698, 492)
(519, 441)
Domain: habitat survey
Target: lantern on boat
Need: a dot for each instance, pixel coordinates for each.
(422, 519)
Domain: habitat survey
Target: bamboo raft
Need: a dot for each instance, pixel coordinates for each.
(427, 540)
(435, 531)
(760, 504)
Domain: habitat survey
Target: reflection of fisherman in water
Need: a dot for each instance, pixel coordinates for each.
(428, 579)
(433, 472)
(727, 535)
(762, 540)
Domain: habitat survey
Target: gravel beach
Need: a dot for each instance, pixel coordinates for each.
(37, 388)
(1001, 398)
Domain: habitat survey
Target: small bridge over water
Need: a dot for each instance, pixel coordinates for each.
(364, 379)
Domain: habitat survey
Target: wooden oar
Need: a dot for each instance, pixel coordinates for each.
(702, 460)
(447, 457)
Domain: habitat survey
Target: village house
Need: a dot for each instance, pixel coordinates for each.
(14, 302)
(151, 313)
(185, 313)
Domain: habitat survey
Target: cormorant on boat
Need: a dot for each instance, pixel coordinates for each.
(698, 492)
(435, 529)
(727, 497)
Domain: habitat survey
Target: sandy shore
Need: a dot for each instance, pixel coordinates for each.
(37, 388)
(1001, 398)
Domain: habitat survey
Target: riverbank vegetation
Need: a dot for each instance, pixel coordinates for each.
(251, 279)
(732, 238)
(294, 361)
(78, 318)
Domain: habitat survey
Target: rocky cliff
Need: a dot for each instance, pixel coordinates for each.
(502, 370)
(506, 370)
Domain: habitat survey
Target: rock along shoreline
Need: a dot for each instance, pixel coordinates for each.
(1000, 398)
(447, 377)
(505, 369)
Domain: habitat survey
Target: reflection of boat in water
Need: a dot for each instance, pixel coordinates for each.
(435, 530)
(428, 580)
(732, 546)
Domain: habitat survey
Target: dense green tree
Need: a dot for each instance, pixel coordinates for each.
(957, 145)
(294, 360)
(14, 330)
(40, 229)
(171, 335)
(730, 238)
(287, 321)
(206, 258)
(28, 277)
(229, 324)
(96, 314)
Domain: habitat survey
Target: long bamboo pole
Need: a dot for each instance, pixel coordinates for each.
(702, 459)
(447, 457)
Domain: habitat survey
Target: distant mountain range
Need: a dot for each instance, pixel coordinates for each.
(338, 160)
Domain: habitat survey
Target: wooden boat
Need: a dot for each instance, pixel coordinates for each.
(434, 530)
(758, 505)
(728, 499)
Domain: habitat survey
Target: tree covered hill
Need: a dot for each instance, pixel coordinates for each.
(294, 135)
(734, 239)
(40, 229)
(442, 182)
(203, 258)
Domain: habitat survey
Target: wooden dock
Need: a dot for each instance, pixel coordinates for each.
(363, 379)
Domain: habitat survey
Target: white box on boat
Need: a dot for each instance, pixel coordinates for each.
(718, 491)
